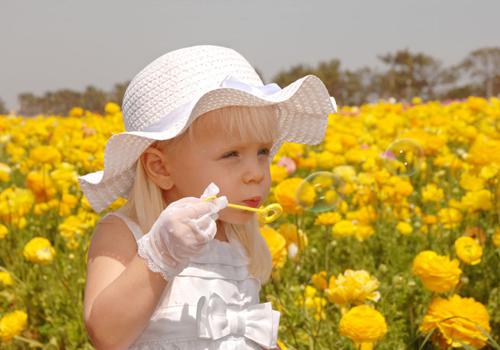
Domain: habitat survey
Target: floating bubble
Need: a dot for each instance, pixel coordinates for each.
(403, 157)
(320, 191)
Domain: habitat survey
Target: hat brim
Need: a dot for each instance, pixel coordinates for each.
(303, 106)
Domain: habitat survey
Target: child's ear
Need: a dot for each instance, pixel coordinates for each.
(155, 167)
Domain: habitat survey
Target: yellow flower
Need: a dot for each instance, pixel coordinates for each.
(363, 232)
(345, 172)
(496, 238)
(5, 172)
(292, 235)
(310, 162)
(278, 173)
(489, 171)
(15, 203)
(437, 272)
(484, 151)
(404, 228)
(313, 302)
(76, 112)
(5, 278)
(416, 100)
(449, 217)
(458, 321)
(353, 287)
(64, 176)
(344, 228)
(432, 193)
(292, 150)
(363, 324)
(468, 250)
(319, 280)
(477, 200)
(285, 194)
(12, 324)
(328, 218)
(277, 245)
(45, 154)
(325, 160)
(471, 183)
(3, 231)
(111, 108)
(67, 203)
(282, 345)
(40, 183)
(430, 219)
(403, 188)
(39, 250)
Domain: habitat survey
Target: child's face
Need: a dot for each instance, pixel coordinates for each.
(240, 168)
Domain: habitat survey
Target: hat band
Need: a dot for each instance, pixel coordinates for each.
(228, 82)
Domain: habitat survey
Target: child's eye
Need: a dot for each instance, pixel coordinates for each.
(228, 155)
(266, 150)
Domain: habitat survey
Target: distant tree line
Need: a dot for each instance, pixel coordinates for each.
(405, 74)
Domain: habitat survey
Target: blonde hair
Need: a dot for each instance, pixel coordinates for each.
(145, 200)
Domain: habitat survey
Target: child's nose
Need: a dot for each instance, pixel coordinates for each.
(254, 171)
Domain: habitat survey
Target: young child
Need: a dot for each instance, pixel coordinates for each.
(172, 269)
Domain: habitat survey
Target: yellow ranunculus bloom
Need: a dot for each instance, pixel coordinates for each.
(5, 172)
(344, 228)
(278, 173)
(285, 194)
(432, 193)
(5, 278)
(470, 182)
(45, 154)
(404, 228)
(39, 250)
(449, 217)
(363, 324)
(3, 231)
(496, 238)
(276, 243)
(319, 280)
(457, 321)
(327, 218)
(111, 108)
(468, 250)
(313, 302)
(477, 200)
(76, 112)
(12, 324)
(353, 287)
(292, 235)
(437, 272)
(15, 203)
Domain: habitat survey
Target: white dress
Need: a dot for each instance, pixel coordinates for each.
(212, 304)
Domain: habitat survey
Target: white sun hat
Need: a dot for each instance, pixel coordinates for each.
(166, 96)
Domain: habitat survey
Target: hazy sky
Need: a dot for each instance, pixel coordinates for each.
(48, 44)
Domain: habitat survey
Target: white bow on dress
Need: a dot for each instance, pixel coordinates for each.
(215, 319)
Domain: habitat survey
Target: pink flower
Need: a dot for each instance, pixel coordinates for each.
(288, 163)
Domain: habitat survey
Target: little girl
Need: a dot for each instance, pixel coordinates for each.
(172, 268)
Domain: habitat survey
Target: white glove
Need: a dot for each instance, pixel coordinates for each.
(183, 228)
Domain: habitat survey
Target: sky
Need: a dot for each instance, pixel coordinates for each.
(54, 44)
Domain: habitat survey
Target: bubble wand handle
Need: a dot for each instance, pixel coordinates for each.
(268, 213)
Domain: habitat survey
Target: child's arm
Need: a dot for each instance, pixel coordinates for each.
(121, 292)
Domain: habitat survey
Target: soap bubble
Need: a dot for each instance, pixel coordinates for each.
(320, 191)
(403, 157)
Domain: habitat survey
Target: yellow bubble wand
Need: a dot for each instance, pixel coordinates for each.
(266, 214)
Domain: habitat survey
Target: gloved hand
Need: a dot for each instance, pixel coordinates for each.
(183, 228)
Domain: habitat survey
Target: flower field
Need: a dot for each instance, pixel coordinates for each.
(390, 236)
